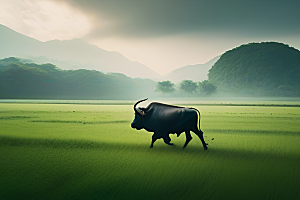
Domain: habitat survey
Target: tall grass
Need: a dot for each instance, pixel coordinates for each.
(90, 152)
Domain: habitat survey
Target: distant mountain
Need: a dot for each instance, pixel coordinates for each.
(20, 79)
(191, 72)
(69, 54)
(266, 68)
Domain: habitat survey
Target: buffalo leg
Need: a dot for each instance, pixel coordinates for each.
(167, 140)
(154, 138)
(200, 135)
(188, 138)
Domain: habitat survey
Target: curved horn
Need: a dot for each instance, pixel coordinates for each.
(134, 107)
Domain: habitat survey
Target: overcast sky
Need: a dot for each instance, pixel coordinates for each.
(161, 34)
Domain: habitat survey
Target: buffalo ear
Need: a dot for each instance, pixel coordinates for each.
(141, 112)
(137, 109)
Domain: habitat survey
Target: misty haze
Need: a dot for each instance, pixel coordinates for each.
(87, 86)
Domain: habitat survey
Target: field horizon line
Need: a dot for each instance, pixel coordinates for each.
(185, 104)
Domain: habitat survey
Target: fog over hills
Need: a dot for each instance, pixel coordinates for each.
(191, 72)
(69, 54)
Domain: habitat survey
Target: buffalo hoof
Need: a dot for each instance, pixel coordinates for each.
(151, 146)
(170, 144)
(205, 147)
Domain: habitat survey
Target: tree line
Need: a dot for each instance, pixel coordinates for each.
(19, 80)
(187, 87)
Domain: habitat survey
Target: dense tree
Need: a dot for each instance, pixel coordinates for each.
(165, 87)
(46, 81)
(206, 88)
(188, 86)
(267, 68)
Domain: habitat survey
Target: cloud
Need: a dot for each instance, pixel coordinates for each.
(44, 19)
(159, 18)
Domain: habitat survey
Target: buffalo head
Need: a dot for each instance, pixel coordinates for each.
(138, 119)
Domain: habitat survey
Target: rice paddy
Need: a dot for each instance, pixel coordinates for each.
(75, 151)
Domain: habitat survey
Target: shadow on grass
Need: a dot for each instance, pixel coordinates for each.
(14, 117)
(266, 132)
(82, 122)
(215, 152)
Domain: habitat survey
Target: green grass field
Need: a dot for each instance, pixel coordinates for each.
(64, 151)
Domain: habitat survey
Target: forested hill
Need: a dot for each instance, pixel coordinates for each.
(21, 79)
(266, 68)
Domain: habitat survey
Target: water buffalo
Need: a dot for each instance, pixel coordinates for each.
(165, 119)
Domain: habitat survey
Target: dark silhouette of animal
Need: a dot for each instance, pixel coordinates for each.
(165, 119)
